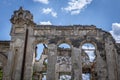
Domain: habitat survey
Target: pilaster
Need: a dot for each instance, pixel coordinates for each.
(52, 56)
(76, 64)
(110, 56)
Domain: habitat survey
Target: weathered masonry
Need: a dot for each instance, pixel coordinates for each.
(92, 52)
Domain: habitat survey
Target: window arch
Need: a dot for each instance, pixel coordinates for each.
(63, 63)
(89, 50)
(88, 54)
(64, 46)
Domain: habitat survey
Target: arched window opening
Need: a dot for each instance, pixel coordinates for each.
(64, 46)
(89, 50)
(64, 54)
(88, 61)
(63, 63)
(40, 49)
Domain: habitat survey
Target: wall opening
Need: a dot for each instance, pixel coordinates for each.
(65, 77)
(88, 61)
(64, 46)
(63, 63)
(86, 76)
(40, 49)
(40, 65)
(89, 50)
(44, 76)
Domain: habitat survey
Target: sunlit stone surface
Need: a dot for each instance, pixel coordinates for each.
(72, 52)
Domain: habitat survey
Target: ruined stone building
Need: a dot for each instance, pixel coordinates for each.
(18, 56)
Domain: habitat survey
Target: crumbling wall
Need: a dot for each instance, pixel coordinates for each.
(4, 48)
(78, 35)
(118, 59)
(25, 34)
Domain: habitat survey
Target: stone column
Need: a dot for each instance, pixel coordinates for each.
(15, 56)
(52, 56)
(119, 66)
(101, 66)
(76, 64)
(29, 56)
(111, 61)
(21, 21)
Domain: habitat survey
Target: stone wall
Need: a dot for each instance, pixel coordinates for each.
(25, 35)
(4, 49)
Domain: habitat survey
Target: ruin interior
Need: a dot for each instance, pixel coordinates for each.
(91, 53)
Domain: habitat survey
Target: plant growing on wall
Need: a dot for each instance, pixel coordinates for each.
(1, 74)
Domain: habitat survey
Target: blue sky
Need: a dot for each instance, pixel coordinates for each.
(104, 14)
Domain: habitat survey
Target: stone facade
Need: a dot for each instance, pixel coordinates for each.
(17, 56)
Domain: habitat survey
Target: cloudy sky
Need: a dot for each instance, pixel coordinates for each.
(104, 14)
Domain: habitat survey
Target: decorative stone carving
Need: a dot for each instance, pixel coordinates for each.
(21, 17)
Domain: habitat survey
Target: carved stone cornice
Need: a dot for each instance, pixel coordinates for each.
(22, 17)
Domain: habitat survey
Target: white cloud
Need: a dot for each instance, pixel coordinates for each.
(54, 14)
(88, 46)
(116, 31)
(42, 1)
(49, 11)
(45, 23)
(75, 6)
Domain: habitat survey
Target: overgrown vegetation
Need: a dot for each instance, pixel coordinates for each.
(1, 74)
